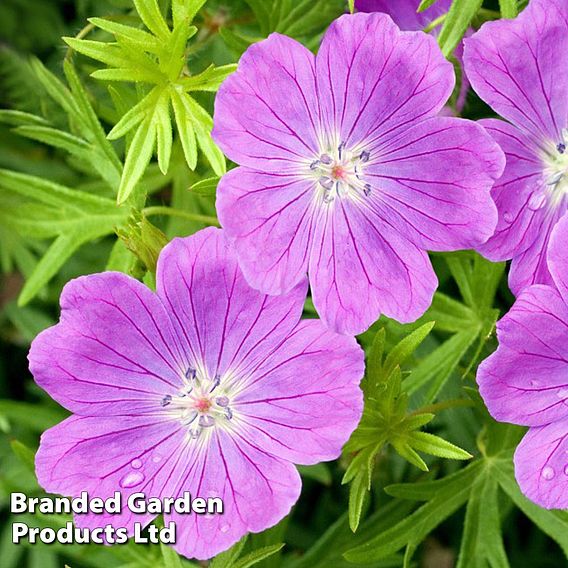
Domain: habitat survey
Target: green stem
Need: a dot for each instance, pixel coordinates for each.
(435, 23)
(206, 219)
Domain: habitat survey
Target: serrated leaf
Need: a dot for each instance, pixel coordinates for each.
(358, 490)
(209, 80)
(136, 114)
(170, 557)
(138, 75)
(227, 559)
(406, 451)
(163, 132)
(109, 53)
(185, 129)
(19, 118)
(144, 39)
(185, 10)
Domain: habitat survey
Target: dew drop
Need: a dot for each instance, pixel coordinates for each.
(132, 479)
(548, 473)
(157, 459)
(508, 217)
(566, 470)
(562, 394)
(136, 464)
(224, 528)
(536, 201)
(535, 383)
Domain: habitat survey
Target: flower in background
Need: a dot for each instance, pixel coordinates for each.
(526, 380)
(346, 171)
(406, 16)
(520, 68)
(206, 386)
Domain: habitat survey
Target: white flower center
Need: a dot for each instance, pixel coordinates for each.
(339, 173)
(201, 403)
(556, 171)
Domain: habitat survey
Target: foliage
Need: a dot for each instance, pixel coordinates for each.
(81, 192)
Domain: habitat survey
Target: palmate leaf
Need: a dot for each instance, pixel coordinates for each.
(157, 57)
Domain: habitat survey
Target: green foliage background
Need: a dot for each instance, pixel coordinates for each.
(105, 154)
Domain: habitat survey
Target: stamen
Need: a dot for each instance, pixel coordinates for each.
(326, 159)
(222, 401)
(190, 374)
(216, 383)
(561, 147)
(206, 421)
(365, 156)
(367, 189)
(326, 182)
(554, 178)
(166, 400)
(315, 165)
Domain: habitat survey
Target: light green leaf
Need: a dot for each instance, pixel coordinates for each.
(508, 8)
(145, 40)
(25, 454)
(19, 118)
(205, 187)
(425, 4)
(257, 556)
(185, 129)
(209, 80)
(456, 23)
(228, 558)
(170, 557)
(163, 132)
(150, 14)
(138, 75)
(137, 159)
(36, 417)
(183, 11)
(358, 490)
(436, 446)
(136, 114)
(109, 53)
(351, 5)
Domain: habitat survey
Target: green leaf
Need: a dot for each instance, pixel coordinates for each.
(436, 446)
(185, 10)
(228, 558)
(150, 14)
(145, 40)
(456, 23)
(205, 187)
(136, 114)
(415, 527)
(137, 159)
(257, 556)
(164, 132)
(399, 354)
(319, 472)
(553, 523)
(425, 4)
(351, 5)
(238, 42)
(185, 129)
(25, 454)
(170, 557)
(209, 80)
(36, 417)
(19, 118)
(508, 8)
(357, 494)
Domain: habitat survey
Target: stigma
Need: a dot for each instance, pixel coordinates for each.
(339, 173)
(201, 403)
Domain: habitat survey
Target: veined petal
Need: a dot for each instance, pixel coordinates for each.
(514, 193)
(226, 323)
(269, 218)
(102, 455)
(258, 490)
(437, 207)
(114, 352)
(526, 380)
(267, 112)
(541, 465)
(374, 79)
(405, 12)
(361, 267)
(304, 402)
(558, 257)
(520, 68)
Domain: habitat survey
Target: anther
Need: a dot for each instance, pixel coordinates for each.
(561, 147)
(365, 156)
(326, 182)
(166, 400)
(326, 159)
(367, 189)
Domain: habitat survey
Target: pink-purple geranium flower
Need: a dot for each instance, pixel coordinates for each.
(206, 386)
(520, 68)
(526, 380)
(346, 171)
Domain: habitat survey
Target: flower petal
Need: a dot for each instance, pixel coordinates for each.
(514, 193)
(433, 182)
(361, 267)
(520, 68)
(101, 455)
(557, 257)
(541, 465)
(227, 324)
(114, 351)
(269, 219)
(405, 12)
(304, 402)
(374, 79)
(526, 380)
(267, 112)
(257, 489)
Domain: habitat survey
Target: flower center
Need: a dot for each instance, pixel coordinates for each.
(201, 403)
(556, 171)
(339, 173)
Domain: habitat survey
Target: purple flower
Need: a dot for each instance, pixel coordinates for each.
(406, 16)
(346, 171)
(520, 68)
(526, 380)
(206, 386)
(405, 12)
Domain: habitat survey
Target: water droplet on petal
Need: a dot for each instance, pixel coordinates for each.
(562, 394)
(157, 459)
(136, 464)
(566, 470)
(548, 473)
(224, 528)
(535, 383)
(536, 202)
(132, 479)
(508, 217)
